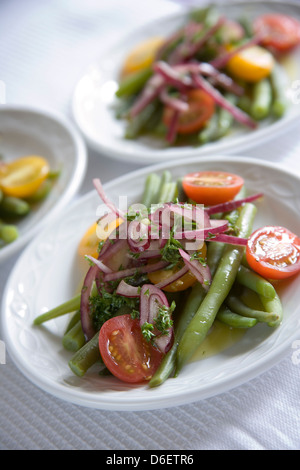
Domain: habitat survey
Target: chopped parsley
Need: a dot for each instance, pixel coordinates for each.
(106, 305)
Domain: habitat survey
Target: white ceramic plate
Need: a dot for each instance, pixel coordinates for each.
(48, 273)
(94, 98)
(29, 131)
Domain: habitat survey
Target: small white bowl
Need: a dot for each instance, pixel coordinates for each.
(31, 131)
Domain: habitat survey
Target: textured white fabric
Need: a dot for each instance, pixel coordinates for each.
(44, 48)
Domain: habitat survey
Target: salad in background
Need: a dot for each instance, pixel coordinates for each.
(24, 182)
(208, 75)
(171, 272)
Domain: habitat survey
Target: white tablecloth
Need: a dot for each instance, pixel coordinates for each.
(44, 48)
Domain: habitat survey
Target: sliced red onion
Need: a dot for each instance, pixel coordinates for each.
(172, 76)
(127, 290)
(220, 62)
(151, 91)
(107, 202)
(230, 239)
(151, 298)
(138, 236)
(168, 42)
(231, 205)
(218, 226)
(103, 268)
(166, 282)
(188, 49)
(172, 129)
(86, 320)
(219, 99)
(175, 103)
(200, 271)
(149, 268)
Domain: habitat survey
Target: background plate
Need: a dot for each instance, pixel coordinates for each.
(35, 285)
(93, 97)
(29, 131)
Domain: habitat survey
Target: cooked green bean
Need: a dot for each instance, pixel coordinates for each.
(14, 207)
(273, 305)
(238, 306)
(180, 191)
(74, 339)
(222, 282)
(229, 318)
(213, 255)
(210, 131)
(41, 193)
(67, 307)
(86, 357)
(226, 119)
(8, 232)
(166, 177)
(168, 192)
(137, 124)
(245, 103)
(151, 190)
(254, 281)
(133, 83)
(73, 320)
(189, 309)
(278, 80)
(262, 99)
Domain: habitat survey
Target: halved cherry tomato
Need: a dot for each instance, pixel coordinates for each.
(212, 187)
(23, 177)
(125, 352)
(274, 252)
(181, 284)
(280, 32)
(142, 56)
(251, 64)
(201, 108)
(89, 243)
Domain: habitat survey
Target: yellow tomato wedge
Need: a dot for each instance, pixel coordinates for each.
(90, 241)
(251, 64)
(23, 177)
(183, 283)
(142, 56)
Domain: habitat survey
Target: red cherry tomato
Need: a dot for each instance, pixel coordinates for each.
(212, 187)
(201, 108)
(274, 252)
(280, 32)
(125, 352)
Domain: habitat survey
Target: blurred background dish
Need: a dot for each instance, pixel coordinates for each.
(27, 131)
(94, 99)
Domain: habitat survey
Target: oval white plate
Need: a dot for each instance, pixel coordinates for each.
(29, 131)
(93, 98)
(48, 273)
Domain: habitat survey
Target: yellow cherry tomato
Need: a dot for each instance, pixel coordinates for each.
(23, 177)
(252, 64)
(142, 56)
(183, 283)
(90, 241)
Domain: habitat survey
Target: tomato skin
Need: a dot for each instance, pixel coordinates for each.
(23, 177)
(274, 252)
(89, 243)
(252, 64)
(125, 352)
(281, 32)
(201, 108)
(141, 56)
(212, 187)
